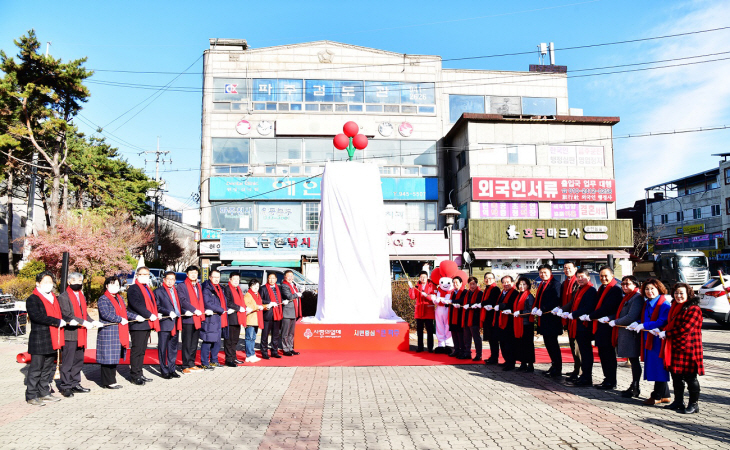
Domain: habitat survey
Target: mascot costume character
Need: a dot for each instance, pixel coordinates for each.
(443, 278)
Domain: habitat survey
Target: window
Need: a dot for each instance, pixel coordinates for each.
(230, 89)
(289, 151)
(264, 152)
(727, 176)
(230, 151)
(715, 210)
(680, 216)
(536, 106)
(521, 154)
(461, 160)
(664, 219)
(410, 216)
(418, 153)
(727, 207)
(279, 216)
(459, 104)
(311, 216)
(712, 184)
(383, 153)
(233, 216)
(318, 151)
(697, 213)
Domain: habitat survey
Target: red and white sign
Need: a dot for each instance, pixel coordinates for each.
(405, 129)
(243, 126)
(543, 189)
(351, 336)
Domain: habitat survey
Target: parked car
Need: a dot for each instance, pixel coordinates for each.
(714, 301)
(180, 277)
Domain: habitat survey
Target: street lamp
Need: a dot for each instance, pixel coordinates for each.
(450, 214)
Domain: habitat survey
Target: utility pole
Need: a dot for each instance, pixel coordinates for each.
(157, 160)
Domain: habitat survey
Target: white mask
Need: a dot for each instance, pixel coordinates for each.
(255, 288)
(46, 288)
(113, 288)
(144, 279)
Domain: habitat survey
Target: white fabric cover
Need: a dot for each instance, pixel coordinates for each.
(354, 268)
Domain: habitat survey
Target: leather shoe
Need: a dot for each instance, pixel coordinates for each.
(112, 386)
(581, 383)
(476, 358)
(508, 368)
(80, 389)
(231, 364)
(553, 375)
(237, 361)
(165, 376)
(276, 355)
(605, 386)
(175, 375)
(692, 408)
(288, 354)
(490, 361)
(138, 381)
(293, 352)
(264, 356)
(145, 379)
(675, 406)
(67, 393)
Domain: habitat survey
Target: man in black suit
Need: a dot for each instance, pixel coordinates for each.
(504, 320)
(583, 304)
(609, 299)
(292, 310)
(141, 302)
(168, 304)
(271, 299)
(549, 325)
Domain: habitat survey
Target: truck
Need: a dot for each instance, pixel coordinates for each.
(676, 266)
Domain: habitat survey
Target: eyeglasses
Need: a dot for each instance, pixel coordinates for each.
(626, 284)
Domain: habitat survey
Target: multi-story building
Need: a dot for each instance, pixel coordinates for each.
(270, 114)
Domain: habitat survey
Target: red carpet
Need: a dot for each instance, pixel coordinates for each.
(329, 358)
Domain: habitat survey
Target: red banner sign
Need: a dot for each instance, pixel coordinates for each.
(543, 189)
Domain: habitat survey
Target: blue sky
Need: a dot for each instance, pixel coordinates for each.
(171, 36)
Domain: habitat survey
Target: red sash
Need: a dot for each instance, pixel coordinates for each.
(503, 319)
(614, 332)
(453, 311)
(647, 343)
(573, 325)
(606, 288)
(195, 294)
(469, 300)
(278, 314)
(149, 304)
(238, 300)
(222, 298)
(257, 299)
(565, 295)
(666, 352)
(178, 320)
(424, 306)
(52, 310)
(485, 296)
(517, 323)
(79, 311)
(121, 311)
(538, 295)
(297, 305)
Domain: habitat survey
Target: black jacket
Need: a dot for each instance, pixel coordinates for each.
(608, 308)
(587, 306)
(39, 341)
(266, 299)
(490, 299)
(67, 312)
(137, 305)
(547, 300)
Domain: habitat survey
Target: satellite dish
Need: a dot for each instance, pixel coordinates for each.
(467, 258)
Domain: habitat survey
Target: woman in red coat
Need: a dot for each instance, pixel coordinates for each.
(682, 348)
(421, 293)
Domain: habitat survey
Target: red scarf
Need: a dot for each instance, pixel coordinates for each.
(538, 295)
(519, 304)
(149, 304)
(52, 310)
(453, 311)
(297, 305)
(606, 288)
(195, 294)
(503, 319)
(79, 311)
(259, 302)
(614, 332)
(238, 300)
(666, 352)
(278, 314)
(647, 343)
(121, 311)
(178, 321)
(222, 298)
(485, 296)
(565, 295)
(573, 325)
(465, 322)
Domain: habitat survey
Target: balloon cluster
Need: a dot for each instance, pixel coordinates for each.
(350, 140)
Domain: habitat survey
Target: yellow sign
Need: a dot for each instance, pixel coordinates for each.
(711, 253)
(691, 229)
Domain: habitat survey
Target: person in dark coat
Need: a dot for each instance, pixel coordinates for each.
(505, 321)
(191, 301)
(455, 318)
(141, 302)
(609, 298)
(271, 299)
(168, 304)
(583, 303)
(524, 327)
(45, 340)
(73, 311)
(490, 297)
(682, 348)
(216, 319)
(471, 319)
(236, 318)
(291, 312)
(549, 325)
(628, 343)
(112, 341)
(567, 289)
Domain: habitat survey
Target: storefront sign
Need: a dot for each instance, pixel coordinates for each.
(210, 247)
(691, 229)
(207, 234)
(490, 234)
(264, 245)
(579, 211)
(506, 210)
(701, 238)
(303, 188)
(570, 155)
(427, 243)
(543, 189)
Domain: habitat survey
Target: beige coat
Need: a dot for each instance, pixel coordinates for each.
(252, 319)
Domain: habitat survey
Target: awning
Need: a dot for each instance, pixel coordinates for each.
(589, 254)
(512, 254)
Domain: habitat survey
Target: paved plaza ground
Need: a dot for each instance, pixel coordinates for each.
(433, 407)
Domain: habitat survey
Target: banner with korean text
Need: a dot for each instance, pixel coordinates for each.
(543, 189)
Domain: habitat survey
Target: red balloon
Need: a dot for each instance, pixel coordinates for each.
(341, 141)
(360, 141)
(350, 129)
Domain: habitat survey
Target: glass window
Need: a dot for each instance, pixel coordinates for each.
(418, 153)
(318, 151)
(417, 93)
(506, 106)
(392, 108)
(409, 171)
(384, 153)
(382, 92)
(348, 91)
(535, 106)
(355, 108)
(429, 171)
(264, 90)
(340, 108)
(415, 216)
(460, 104)
(279, 216)
(712, 184)
(296, 106)
(326, 108)
(289, 151)
(239, 169)
(290, 91)
(521, 154)
(283, 106)
(259, 106)
(727, 176)
(426, 109)
(405, 109)
(319, 91)
(221, 106)
(221, 170)
(271, 106)
(311, 216)
(715, 210)
(233, 216)
(264, 151)
(230, 151)
(311, 107)
(230, 89)
(379, 108)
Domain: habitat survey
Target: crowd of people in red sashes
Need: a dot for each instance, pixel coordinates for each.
(198, 313)
(624, 319)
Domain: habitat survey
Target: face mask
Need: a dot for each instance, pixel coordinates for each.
(144, 279)
(113, 288)
(46, 288)
(255, 288)
(75, 287)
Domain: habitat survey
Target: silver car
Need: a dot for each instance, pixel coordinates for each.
(714, 301)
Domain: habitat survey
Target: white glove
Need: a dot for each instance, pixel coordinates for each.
(539, 313)
(426, 295)
(88, 325)
(585, 317)
(496, 308)
(555, 310)
(655, 331)
(208, 312)
(261, 308)
(477, 305)
(247, 310)
(457, 306)
(433, 297)
(198, 313)
(568, 316)
(242, 309)
(285, 302)
(62, 324)
(662, 334)
(159, 316)
(447, 301)
(124, 321)
(489, 307)
(410, 285)
(466, 306)
(603, 319)
(153, 317)
(173, 316)
(533, 311)
(632, 327)
(97, 324)
(139, 319)
(506, 311)
(188, 313)
(299, 294)
(73, 323)
(560, 311)
(612, 323)
(272, 304)
(231, 310)
(639, 327)
(517, 314)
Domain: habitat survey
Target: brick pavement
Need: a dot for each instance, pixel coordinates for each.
(450, 407)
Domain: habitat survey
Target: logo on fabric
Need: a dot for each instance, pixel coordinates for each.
(308, 333)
